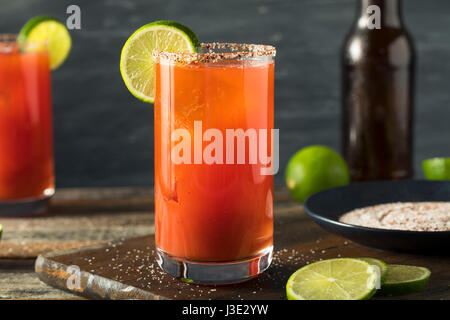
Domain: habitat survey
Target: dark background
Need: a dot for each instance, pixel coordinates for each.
(104, 136)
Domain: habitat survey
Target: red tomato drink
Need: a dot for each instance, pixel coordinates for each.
(26, 145)
(213, 215)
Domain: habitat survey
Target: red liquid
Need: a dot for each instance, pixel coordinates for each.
(26, 146)
(217, 212)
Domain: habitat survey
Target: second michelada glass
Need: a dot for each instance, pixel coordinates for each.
(214, 151)
(26, 133)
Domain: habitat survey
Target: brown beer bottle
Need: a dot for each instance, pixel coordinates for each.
(377, 93)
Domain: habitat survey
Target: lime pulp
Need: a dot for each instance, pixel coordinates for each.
(403, 279)
(136, 61)
(333, 279)
(50, 33)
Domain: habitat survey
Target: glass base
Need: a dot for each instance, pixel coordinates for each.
(215, 272)
(24, 207)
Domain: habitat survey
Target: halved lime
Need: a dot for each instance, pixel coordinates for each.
(136, 62)
(381, 265)
(52, 32)
(436, 168)
(333, 279)
(404, 279)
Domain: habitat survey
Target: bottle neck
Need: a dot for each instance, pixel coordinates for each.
(390, 12)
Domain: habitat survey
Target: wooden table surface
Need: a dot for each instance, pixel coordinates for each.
(77, 218)
(80, 217)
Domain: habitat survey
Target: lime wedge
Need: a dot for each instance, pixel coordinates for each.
(333, 279)
(136, 62)
(404, 279)
(49, 31)
(381, 265)
(436, 168)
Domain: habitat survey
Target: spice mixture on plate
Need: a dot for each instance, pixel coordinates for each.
(412, 216)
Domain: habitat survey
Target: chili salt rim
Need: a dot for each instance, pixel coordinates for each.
(9, 42)
(238, 51)
(8, 37)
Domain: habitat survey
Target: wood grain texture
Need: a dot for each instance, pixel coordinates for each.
(19, 281)
(78, 218)
(126, 269)
(82, 217)
(97, 216)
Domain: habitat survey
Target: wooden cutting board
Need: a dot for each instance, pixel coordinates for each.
(126, 269)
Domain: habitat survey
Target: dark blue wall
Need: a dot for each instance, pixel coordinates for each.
(104, 137)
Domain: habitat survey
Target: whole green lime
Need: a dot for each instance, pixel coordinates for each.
(436, 168)
(313, 169)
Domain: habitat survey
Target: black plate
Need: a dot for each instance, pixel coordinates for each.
(326, 207)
